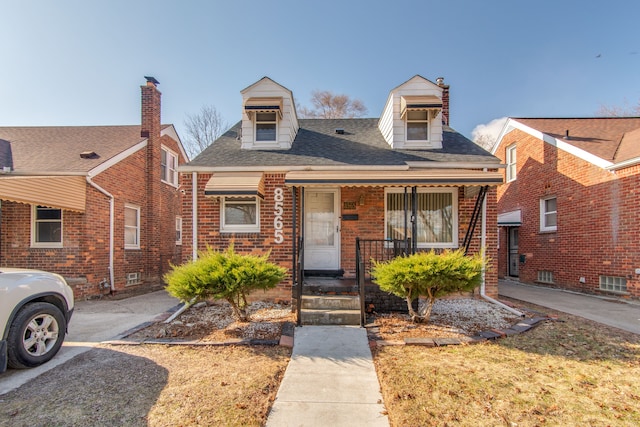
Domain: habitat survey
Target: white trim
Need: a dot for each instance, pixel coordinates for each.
(137, 244)
(289, 168)
(239, 228)
(111, 228)
(512, 124)
(511, 162)
(427, 190)
(194, 216)
(117, 158)
(544, 213)
(625, 164)
(171, 132)
(174, 155)
(36, 244)
(178, 229)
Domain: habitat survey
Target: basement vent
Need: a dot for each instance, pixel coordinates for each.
(134, 278)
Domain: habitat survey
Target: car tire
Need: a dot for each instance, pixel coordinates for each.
(36, 335)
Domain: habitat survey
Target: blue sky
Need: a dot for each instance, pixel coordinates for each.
(81, 62)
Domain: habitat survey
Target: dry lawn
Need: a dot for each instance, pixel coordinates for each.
(152, 385)
(571, 372)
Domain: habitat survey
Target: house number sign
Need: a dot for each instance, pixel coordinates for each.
(278, 198)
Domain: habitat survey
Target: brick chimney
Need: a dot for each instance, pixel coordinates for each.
(445, 100)
(150, 108)
(150, 239)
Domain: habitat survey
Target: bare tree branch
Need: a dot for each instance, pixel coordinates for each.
(327, 105)
(624, 110)
(202, 129)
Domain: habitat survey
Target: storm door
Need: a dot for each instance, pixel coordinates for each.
(321, 230)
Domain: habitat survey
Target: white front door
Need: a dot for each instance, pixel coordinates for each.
(321, 230)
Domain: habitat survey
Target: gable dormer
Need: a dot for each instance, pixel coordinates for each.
(413, 115)
(269, 119)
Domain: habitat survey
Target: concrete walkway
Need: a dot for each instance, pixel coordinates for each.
(614, 312)
(330, 381)
(92, 322)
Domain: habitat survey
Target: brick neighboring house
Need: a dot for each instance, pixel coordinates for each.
(97, 204)
(568, 212)
(273, 178)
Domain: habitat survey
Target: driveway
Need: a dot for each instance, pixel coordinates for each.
(95, 321)
(614, 312)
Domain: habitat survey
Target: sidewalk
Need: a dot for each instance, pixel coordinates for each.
(92, 322)
(330, 381)
(614, 312)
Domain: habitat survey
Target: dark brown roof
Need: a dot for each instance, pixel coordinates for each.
(58, 148)
(615, 139)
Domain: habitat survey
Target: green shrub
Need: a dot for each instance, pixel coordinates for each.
(428, 275)
(224, 275)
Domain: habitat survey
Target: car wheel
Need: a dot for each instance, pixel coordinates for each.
(35, 336)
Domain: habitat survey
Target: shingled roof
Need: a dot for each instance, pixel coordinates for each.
(58, 148)
(317, 144)
(614, 139)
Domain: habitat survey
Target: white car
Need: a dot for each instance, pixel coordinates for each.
(35, 309)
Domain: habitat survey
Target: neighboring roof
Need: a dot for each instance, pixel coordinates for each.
(614, 139)
(56, 149)
(318, 145)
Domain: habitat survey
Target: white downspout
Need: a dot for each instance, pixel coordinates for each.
(194, 215)
(483, 244)
(111, 221)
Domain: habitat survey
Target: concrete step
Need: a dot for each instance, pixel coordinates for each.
(336, 302)
(330, 317)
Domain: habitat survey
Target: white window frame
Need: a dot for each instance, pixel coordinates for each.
(169, 166)
(178, 230)
(544, 213)
(34, 225)
(425, 190)
(239, 228)
(136, 227)
(274, 122)
(426, 121)
(511, 161)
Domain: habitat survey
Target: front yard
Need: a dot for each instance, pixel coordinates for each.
(562, 373)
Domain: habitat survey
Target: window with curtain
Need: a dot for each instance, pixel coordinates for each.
(436, 217)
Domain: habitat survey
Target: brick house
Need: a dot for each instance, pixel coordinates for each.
(568, 212)
(99, 205)
(320, 192)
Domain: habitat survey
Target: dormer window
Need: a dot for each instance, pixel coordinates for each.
(417, 125)
(266, 127)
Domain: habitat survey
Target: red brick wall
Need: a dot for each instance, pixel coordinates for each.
(370, 225)
(597, 217)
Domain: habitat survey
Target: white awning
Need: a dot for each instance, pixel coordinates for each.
(378, 178)
(63, 192)
(510, 219)
(263, 105)
(235, 184)
(420, 103)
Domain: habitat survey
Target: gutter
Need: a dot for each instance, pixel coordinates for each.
(483, 236)
(111, 226)
(194, 215)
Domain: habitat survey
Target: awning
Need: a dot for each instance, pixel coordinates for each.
(63, 192)
(510, 219)
(420, 103)
(424, 177)
(264, 105)
(238, 184)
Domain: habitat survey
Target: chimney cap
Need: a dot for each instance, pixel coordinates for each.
(152, 80)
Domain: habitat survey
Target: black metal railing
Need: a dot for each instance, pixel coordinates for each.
(299, 280)
(369, 251)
